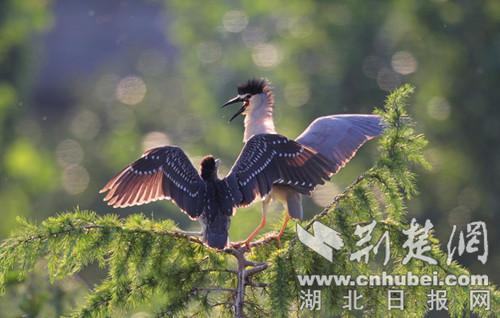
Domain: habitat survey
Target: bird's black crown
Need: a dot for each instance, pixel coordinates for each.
(253, 86)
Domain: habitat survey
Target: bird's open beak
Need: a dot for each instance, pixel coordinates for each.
(233, 100)
(236, 100)
(241, 110)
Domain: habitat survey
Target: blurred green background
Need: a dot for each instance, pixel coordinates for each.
(86, 86)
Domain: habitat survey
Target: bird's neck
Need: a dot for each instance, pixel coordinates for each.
(209, 174)
(210, 178)
(259, 116)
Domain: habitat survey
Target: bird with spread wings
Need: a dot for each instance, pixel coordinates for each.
(334, 138)
(269, 166)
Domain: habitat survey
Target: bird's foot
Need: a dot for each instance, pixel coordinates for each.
(282, 230)
(234, 245)
(239, 244)
(275, 236)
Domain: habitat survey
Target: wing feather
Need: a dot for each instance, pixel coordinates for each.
(161, 173)
(269, 159)
(338, 137)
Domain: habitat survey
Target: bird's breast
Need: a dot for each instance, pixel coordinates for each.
(280, 192)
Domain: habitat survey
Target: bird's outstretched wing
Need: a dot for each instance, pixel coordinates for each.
(161, 173)
(338, 137)
(269, 159)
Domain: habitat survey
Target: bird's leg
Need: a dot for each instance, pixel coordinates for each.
(283, 227)
(265, 205)
(252, 235)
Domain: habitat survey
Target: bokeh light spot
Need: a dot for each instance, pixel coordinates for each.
(155, 139)
(297, 94)
(404, 63)
(235, 21)
(438, 108)
(75, 179)
(266, 55)
(387, 79)
(131, 90)
(85, 125)
(209, 52)
(69, 152)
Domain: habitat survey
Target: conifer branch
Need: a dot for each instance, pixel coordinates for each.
(146, 259)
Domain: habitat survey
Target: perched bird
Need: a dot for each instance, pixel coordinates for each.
(167, 173)
(330, 141)
(270, 166)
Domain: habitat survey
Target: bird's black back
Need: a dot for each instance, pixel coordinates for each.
(217, 213)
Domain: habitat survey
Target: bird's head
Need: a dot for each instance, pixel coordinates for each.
(255, 95)
(209, 167)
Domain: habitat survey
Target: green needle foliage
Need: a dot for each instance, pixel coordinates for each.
(146, 259)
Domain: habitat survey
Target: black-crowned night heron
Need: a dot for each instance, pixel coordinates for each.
(270, 166)
(278, 168)
(166, 173)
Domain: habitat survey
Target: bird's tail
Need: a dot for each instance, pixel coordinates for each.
(294, 205)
